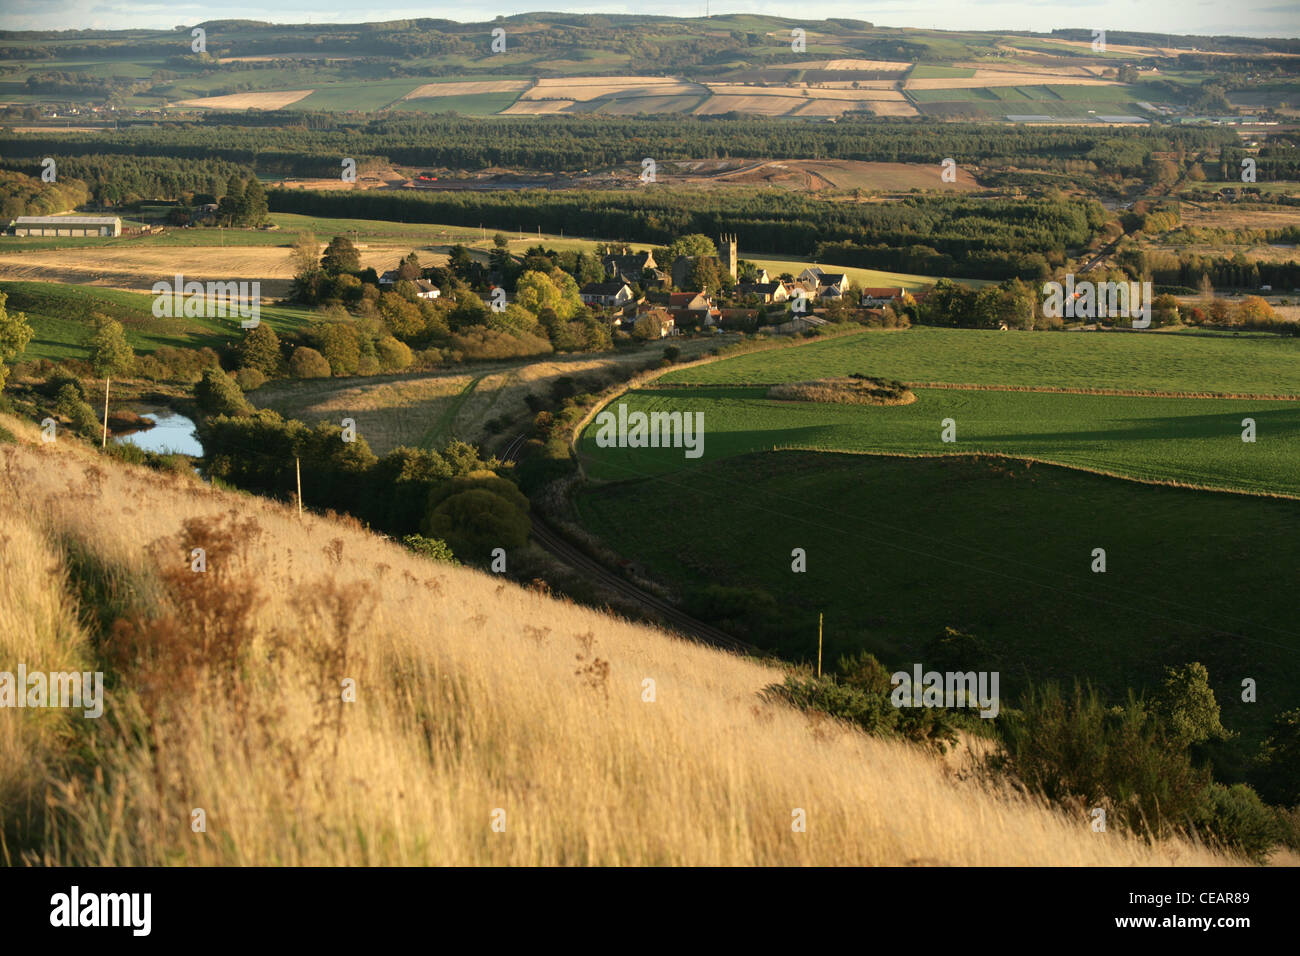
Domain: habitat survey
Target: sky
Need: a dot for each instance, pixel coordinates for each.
(1277, 18)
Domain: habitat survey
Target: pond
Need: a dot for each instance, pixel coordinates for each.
(172, 432)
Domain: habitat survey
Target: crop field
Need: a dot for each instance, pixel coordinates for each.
(993, 549)
(249, 101)
(1131, 361)
(1182, 440)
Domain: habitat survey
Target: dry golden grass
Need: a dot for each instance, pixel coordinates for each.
(473, 695)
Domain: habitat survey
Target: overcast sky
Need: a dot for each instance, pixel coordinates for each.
(1238, 18)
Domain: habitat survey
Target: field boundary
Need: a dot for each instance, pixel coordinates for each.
(1049, 389)
(1030, 460)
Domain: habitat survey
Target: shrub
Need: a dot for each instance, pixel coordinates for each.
(432, 548)
(1236, 818)
(249, 379)
(218, 394)
(308, 363)
(260, 350)
(392, 354)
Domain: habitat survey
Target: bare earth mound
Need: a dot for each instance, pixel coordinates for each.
(853, 390)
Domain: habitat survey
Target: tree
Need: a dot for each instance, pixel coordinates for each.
(1187, 705)
(476, 514)
(15, 333)
(696, 244)
(260, 350)
(254, 208)
(1278, 766)
(409, 267)
(216, 393)
(110, 356)
(340, 256)
(231, 208)
(308, 363)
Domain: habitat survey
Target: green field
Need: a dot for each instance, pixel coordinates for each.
(1155, 362)
(60, 316)
(1187, 440)
(898, 549)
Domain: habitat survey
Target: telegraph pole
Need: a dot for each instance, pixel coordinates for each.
(297, 467)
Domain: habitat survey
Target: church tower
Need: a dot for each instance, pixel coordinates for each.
(729, 253)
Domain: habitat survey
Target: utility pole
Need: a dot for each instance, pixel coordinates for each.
(104, 441)
(820, 615)
(297, 467)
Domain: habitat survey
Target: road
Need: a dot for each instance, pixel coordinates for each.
(562, 550)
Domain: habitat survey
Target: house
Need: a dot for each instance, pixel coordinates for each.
(876, 296)
(833, 285)
(389, 277)
(694, 306)
(424, 289)
(667, 324)
(630, 268)
(767, 292)
(66, 226)
(605, 293)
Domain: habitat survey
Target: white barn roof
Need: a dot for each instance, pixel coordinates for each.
(66, 220)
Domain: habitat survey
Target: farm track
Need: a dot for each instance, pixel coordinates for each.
(562, 550)
(593, 570)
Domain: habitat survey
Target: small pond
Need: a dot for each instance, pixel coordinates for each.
(172, 432)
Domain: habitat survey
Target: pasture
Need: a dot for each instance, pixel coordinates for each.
(898, 549)
(1182, 440)
(1130, 361)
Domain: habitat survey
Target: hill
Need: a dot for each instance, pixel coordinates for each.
(223, 695)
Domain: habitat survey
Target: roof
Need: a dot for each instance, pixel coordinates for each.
(602, 288)
(678, 300)
(882, 292)
(833, 278)
(66, 220)
(424, 285)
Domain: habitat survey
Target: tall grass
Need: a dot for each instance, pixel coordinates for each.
(472, 695)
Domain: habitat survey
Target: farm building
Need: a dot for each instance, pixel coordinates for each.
(66, 226)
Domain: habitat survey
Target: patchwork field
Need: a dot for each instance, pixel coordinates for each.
(466, 87)
(985, 78)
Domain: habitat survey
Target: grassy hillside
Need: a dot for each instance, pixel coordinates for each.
(898, 549)
(472, 695)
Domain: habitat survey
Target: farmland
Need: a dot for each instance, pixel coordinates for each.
(1160, 362)
(898, 549)
(1183, 440)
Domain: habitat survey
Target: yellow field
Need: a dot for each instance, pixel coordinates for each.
(584, 88)
(864, 66)
(137, 268)
(465, 88)
(764, 105)
(523, 107)
(1004, 78)
(475, 700)
(249, 101)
